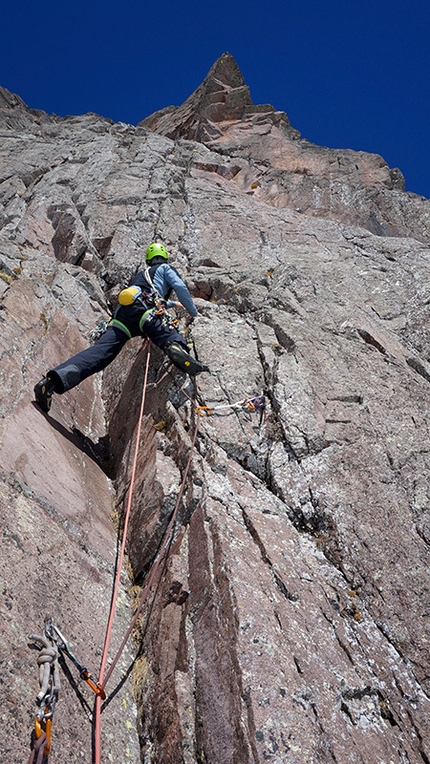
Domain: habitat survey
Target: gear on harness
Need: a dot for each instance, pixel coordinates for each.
(130, 296)
(98, 331)
(148, 298)
(152, 301)
(133, 294)
(183, 360)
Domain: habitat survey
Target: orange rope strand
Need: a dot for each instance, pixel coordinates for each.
(156, 564)
(151, 578)
(97, 712)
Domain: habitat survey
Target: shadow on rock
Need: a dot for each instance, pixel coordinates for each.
(98, 451)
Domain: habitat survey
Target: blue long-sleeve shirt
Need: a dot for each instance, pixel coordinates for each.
(164, 280)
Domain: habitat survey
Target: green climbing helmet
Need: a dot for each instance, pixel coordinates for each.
(156, 250)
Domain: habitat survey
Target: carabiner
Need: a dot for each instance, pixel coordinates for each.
(202, 410)
(39, 731)
(95, 686)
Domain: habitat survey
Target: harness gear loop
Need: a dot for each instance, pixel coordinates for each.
(100, 329)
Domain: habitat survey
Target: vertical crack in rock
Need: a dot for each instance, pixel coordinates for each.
(219, 684)
(264, 556)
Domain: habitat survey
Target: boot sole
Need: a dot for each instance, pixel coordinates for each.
(42, 397)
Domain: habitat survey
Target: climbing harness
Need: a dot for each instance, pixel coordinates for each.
(151, 300)
(155, 310)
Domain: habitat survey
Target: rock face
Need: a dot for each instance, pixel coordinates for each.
(290, 620)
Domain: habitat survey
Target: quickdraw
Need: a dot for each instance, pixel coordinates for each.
(252, 404)
(160, 310)
(52, 644)
(171, 320)
(61, 643)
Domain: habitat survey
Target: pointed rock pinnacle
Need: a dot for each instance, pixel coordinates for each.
(222, 96)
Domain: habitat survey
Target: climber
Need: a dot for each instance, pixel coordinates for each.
(140, 313)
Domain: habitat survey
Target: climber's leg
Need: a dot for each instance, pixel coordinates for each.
(164, 336)
(67, 375)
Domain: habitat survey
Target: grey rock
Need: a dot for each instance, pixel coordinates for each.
(290, 619)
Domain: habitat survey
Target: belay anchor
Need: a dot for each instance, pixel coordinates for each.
(52, 644)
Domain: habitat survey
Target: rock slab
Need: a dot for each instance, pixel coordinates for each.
(290, 621)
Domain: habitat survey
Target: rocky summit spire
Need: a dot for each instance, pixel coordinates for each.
(222, 96)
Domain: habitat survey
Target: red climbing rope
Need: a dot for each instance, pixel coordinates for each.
(97, 711)
(39, 748)
(143, 597)
(157, 561)
(104, 677)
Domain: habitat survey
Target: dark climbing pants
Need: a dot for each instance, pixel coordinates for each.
(102, 353)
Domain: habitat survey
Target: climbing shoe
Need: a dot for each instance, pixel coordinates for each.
(183, 360)
(43, 393)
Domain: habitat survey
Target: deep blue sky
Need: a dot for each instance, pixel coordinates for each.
(349, 73)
